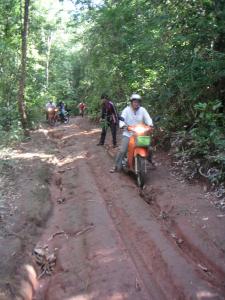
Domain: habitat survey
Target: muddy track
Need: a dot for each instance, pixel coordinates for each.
(143, 248)
(110, 241)
(213, 273)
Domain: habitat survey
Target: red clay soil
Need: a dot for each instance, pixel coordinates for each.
(110, 241)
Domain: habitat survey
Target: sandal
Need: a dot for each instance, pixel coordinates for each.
(113, 170)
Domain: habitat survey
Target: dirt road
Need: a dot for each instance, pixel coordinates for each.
(110, 242)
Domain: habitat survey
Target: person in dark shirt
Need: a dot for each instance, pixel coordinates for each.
(62, 110)
(109, 118)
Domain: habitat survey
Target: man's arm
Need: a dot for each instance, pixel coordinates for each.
(147, 119)
(124, 115)
(114, 111)
(103, 115)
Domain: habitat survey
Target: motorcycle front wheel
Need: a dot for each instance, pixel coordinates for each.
(66, 119)
(51, 121)
(140, 170)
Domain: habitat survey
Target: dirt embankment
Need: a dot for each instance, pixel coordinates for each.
(25, 207)
(110, 242)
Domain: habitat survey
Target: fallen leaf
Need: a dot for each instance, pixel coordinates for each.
(203, 268)
(137, 285)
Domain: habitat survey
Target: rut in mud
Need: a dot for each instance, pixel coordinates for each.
(111, 242)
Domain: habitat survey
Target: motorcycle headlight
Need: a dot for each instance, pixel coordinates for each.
(140, 129)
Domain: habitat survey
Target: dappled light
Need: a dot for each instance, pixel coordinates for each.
(32, 275)
(29, 285)
(90, 132)
(206, 295)
(45, 157)
(92, 296)
(44, 131)
(102, 248)
(27, 155)
(93, 211)
(71, 158)
(81, 297)
(106, 256)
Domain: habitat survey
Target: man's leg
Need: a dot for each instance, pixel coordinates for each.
(103, 135)
(113, 131)
(61, 116)
(150, 155)
(122, 152)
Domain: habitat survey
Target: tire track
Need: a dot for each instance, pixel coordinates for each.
(174, 285)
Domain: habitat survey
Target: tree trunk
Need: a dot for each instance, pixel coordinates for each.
(49, 44)
(21, 102)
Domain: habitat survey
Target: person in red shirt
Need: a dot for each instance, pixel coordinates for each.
(82, 106)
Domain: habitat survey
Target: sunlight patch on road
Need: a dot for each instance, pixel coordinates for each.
(44, 157)
(70, 159)
(85, 132)
(206, 295)
(29, 285)
(105, 256)
(28, 155)
(31, 275)
(80, 297)
(44, 131)
(119, 296)
(115, 296)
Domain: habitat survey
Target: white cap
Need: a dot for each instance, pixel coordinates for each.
(135, 97)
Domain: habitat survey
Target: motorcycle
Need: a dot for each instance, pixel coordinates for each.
(138, 152)
(64, 117)
(51, 115)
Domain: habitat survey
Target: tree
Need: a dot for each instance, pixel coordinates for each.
(22, 82)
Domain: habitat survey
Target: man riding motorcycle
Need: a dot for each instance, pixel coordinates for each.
(132, 115)
(62, 110)
(49, 106)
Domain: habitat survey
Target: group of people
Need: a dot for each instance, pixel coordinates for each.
(133, 114)
(61, 106)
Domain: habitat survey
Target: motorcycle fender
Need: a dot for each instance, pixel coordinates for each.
(143, 152)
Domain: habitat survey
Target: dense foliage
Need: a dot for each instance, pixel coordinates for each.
(173, 53)
(49, 71)
(170, 51)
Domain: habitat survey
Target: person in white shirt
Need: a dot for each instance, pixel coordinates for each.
(132, 115)
(50, 104)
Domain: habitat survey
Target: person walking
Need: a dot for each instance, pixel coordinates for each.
(109, 118)
(82, 106)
